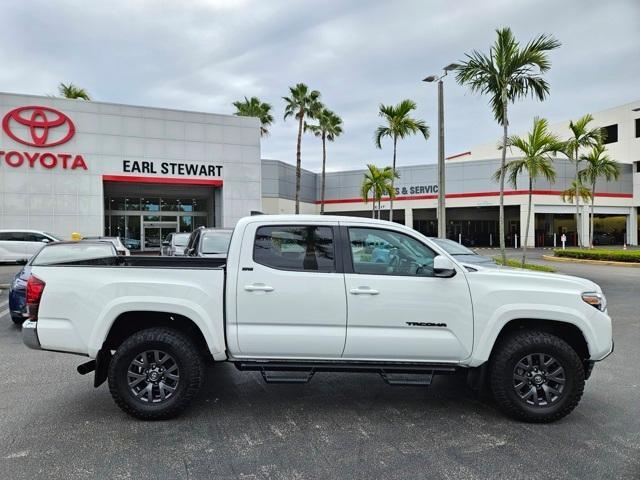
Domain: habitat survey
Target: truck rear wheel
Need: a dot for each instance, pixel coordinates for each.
(536, 377)
(155, 373)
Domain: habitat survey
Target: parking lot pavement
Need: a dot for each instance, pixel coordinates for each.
(344, 426)
(7, 272)
(4, 305)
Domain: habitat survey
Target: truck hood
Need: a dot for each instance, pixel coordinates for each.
(519, 274)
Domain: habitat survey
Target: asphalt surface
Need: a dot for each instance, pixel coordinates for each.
(54, 424)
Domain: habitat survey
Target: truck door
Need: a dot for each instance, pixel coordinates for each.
(397, 308)
(291, 300)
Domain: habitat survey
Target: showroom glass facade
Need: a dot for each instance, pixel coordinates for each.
(143, 222)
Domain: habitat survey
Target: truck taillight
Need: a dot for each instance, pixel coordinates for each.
(35, 287)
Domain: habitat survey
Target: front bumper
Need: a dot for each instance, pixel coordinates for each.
(30, 335)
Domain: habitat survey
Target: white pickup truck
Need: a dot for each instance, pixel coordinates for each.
(304, 294)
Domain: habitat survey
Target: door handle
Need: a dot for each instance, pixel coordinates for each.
(258, 287)
(363, 291)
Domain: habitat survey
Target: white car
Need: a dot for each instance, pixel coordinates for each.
(115, 241)
(18, 245)
(174, 244)
(300, 294)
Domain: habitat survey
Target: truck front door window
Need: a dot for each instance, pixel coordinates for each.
(385, 252)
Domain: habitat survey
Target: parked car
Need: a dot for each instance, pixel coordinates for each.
(463, 254)
(603, 238)
(280, 306)
(18, 295)
(209, 242)
(117, 243)
(52, 252)
(174, 244)
(131, 243)
(18, 245)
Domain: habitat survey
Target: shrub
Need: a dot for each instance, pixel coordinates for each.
(600, 254)
(527, 266)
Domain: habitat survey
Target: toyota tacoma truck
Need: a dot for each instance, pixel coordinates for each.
(297, 295)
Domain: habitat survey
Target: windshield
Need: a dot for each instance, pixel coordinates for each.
(181, 239)
(56, 238)
(453, 248)
(216, 242)
(72, 252)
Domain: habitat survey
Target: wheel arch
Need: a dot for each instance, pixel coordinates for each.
(568, 332)
(128, 323)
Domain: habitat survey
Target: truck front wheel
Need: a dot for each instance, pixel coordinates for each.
(155, 373)
(536, 376)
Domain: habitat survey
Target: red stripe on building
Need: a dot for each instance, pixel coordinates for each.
(476, 194)
(162, 180)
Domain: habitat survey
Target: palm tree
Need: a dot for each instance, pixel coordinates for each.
(599, 164)
(576, 189)
(581, 137)
(508, 73)
(253, 107)
(537, 148)
(398, 124)
(71, 91)
(378, 182)
(328, 128)
(299, 104)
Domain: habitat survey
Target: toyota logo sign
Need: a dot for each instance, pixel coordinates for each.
(46, 127)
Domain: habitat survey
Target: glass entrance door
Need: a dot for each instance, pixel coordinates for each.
(151, 238)
(154, 232)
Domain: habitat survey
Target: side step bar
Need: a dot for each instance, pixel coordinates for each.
(407, 374)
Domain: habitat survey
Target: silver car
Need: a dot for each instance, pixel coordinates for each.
(463, 254)
(209, 242)
(174, 244)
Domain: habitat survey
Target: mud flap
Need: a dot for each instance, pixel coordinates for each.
(103, 359)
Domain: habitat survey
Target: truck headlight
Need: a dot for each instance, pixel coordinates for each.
(595, 299)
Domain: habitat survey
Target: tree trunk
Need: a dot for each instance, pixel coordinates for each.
(324, 163)
(526, 228)
(578, 229)
(298, 162)
(505, 122)
(593, 200)
(379, 207)
(393, 179)
(373, 204)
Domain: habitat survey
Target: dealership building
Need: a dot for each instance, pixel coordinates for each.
(136, 172)
(472, 196)
(141, 173)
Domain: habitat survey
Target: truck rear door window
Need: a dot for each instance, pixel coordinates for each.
(295, 247)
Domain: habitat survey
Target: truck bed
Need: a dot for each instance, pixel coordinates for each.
(82, 299)
(147, 261)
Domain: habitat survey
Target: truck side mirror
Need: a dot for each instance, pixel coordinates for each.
(443, 267)
(165, 243)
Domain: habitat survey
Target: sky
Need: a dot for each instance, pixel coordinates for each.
(203, 55)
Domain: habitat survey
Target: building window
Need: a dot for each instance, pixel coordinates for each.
(610, 133)
(637, 127)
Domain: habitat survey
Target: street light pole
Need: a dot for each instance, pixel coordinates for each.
(441, 211)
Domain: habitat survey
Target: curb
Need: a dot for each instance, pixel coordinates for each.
(4, 286)
(591, 262)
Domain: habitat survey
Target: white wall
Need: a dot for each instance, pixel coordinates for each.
(62, 201)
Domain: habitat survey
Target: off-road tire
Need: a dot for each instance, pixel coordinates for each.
(187, 357)
(503, 362)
